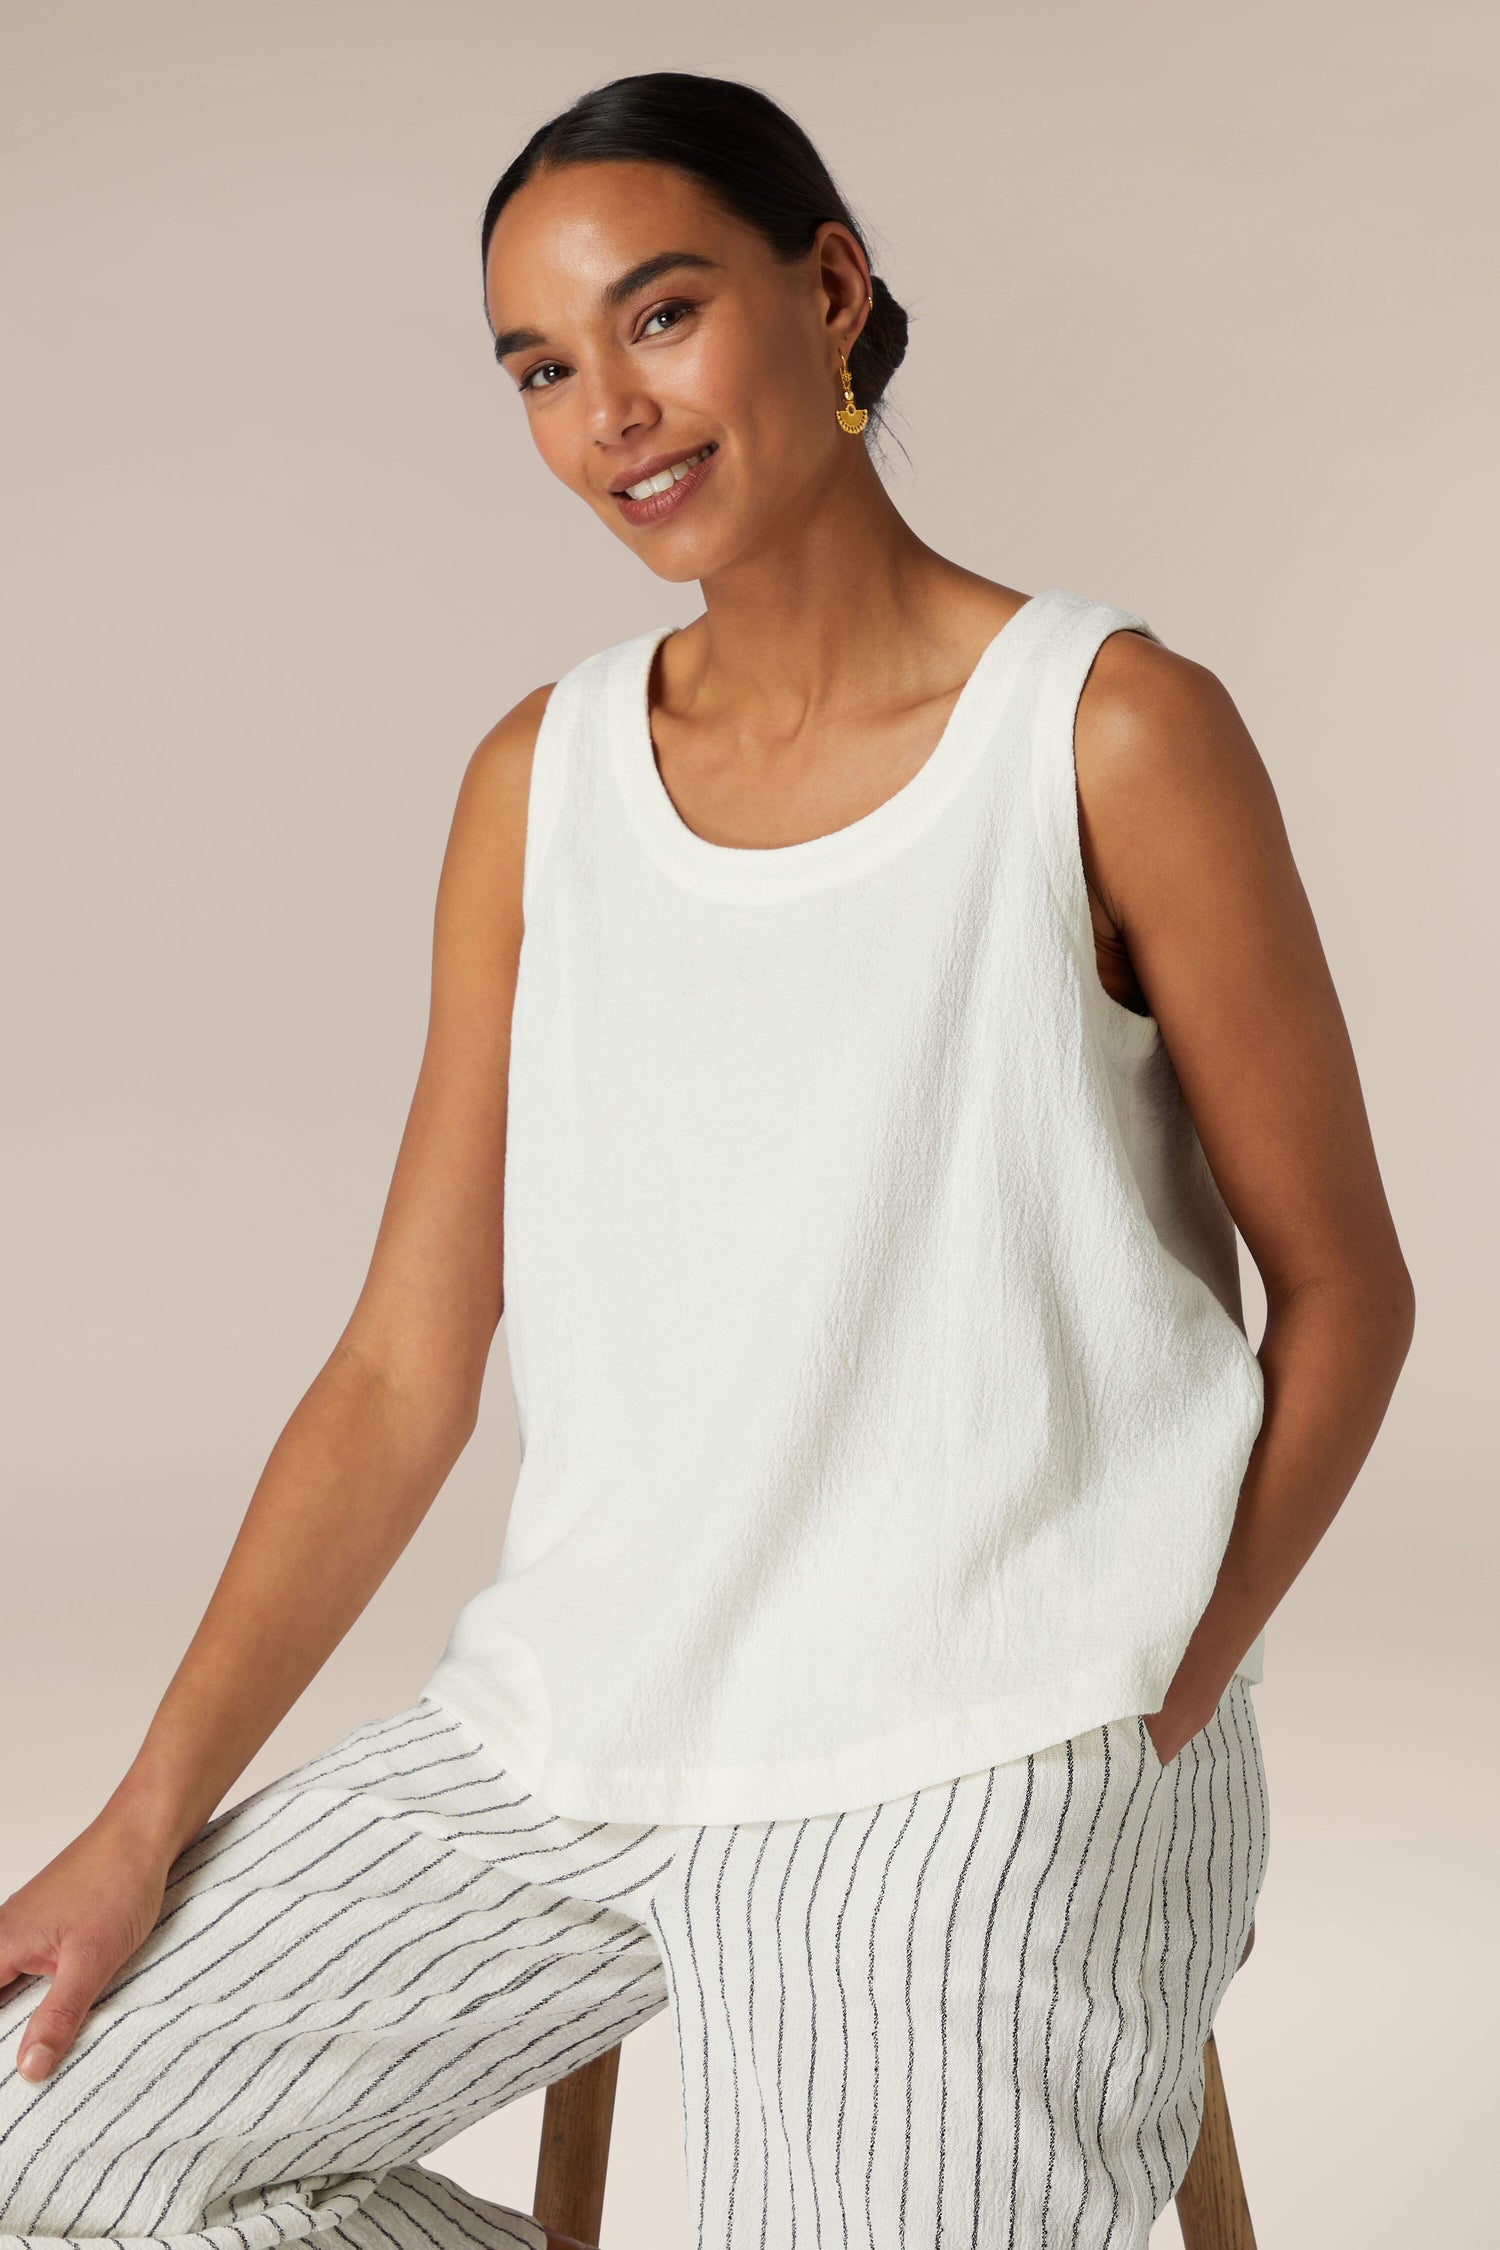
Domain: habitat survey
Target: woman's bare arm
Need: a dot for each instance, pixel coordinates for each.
(371, 1441)
(1184, 844)
(363, 1455)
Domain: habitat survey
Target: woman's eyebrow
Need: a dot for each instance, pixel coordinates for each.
(623, 287)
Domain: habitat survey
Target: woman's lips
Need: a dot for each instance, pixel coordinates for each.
(657, 505)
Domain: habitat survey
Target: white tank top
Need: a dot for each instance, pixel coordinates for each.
(873, 1316)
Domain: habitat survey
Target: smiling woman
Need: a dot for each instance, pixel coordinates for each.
(861, 1018)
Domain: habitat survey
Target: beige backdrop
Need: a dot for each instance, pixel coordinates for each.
(1203, 323)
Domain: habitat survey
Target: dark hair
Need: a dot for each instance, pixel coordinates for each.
(747, 151)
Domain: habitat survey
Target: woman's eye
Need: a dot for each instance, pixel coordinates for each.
(671, 313)
(663, 312)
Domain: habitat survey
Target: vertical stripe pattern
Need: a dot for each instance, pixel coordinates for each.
(972, 2015)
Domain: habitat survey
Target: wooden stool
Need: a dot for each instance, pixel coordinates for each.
(1211, 2207)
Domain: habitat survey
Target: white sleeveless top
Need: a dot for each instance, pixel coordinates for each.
(873, 1316)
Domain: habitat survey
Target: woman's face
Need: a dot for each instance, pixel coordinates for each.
(642, 325)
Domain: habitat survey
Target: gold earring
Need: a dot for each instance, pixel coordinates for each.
(849, 416)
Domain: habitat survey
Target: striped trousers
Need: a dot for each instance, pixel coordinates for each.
(973, 2015)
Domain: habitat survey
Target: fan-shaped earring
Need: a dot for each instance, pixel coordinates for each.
(849, 416)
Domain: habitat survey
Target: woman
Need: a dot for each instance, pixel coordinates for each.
(916, 977)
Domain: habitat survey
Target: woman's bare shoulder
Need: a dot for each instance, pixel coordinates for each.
(498, 774)
(480, 889)
(1162, 754)
(1157, 712)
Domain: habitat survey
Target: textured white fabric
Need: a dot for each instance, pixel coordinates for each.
(873, 1315)
(971, 2016)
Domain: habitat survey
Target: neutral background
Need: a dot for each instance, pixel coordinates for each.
(1203, 323)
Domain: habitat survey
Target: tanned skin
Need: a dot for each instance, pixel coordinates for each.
(634, 318)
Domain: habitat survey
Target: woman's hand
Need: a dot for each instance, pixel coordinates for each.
(77, 1921)
(1171, 1729)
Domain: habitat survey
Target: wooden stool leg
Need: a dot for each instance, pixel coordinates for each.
(574, 2153)
(1211, 2207)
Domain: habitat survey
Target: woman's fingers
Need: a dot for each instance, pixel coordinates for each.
(81, 1972)
(76, 1921)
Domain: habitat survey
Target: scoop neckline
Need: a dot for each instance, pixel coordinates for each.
(747, 870)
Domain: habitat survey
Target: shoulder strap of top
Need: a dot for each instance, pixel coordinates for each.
(577, 695)
(1077, 633)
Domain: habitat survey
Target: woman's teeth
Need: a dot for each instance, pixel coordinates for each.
(666, 477)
